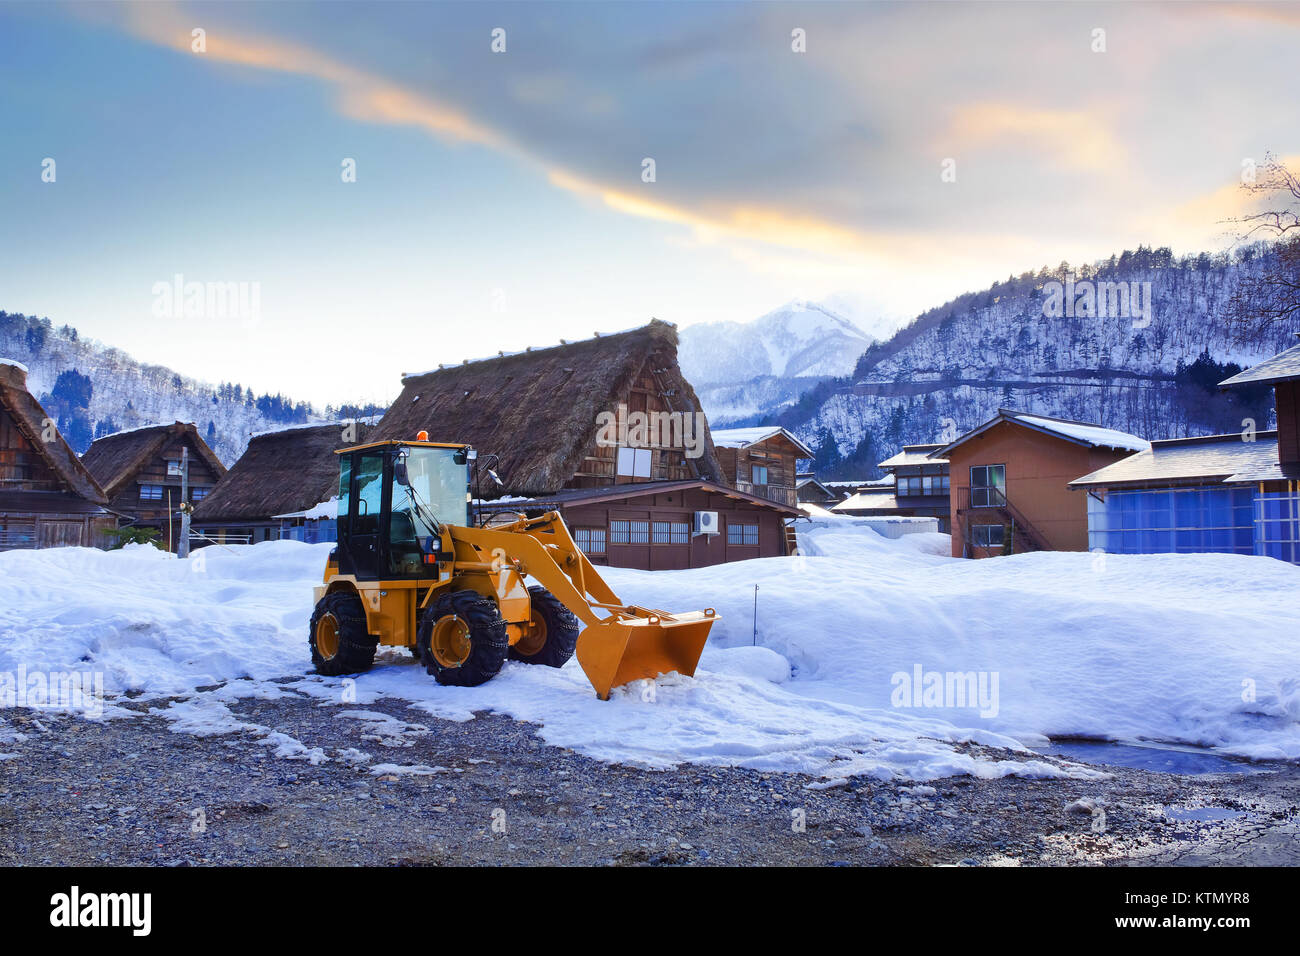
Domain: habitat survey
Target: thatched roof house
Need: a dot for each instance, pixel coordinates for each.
(116, 459)
(140, 471)
(565, 424)
(540, 411)
(47, 497)
(284, 471)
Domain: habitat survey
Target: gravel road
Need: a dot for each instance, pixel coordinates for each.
(489, 791)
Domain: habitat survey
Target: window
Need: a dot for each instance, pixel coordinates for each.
(151, 492)
(671, 532)
(743, 534)
(173, 468)
(629, 532)
(590, 540)
(988, 486)
(759, 474)
(198, 494)
(988, 535)
(634, 462)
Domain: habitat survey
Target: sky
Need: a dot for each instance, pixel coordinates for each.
(889, 155)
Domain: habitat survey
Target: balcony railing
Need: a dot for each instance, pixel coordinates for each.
(785, 496)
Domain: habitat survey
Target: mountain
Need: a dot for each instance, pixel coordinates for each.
(1051, 342)
(740, 368)
(91, 390)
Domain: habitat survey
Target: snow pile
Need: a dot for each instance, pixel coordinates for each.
(866, 655)
(153, 624)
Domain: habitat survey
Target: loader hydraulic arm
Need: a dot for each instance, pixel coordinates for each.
(629, 642)
(543, 549)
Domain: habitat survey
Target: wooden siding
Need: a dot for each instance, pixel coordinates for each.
(774, 453)
(1286, 395)
(155, 512)
(22, 467)
(700, 550)
(599, 466)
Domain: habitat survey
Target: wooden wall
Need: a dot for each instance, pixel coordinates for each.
(22, 467)
(600, 465)
(1287, 398)
(776, 454)
(700, 550)
(154, 472)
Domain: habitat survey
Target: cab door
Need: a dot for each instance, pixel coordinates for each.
(363, 530)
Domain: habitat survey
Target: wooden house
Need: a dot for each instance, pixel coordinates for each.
(281, 473)
(140, 471)
(561, 427)
(47, 497)
(915, 486)
(1010, 482)
(809, 489)
(762, 461)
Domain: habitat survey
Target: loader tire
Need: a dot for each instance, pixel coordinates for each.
(338, 638)
(556, 635)
(463, 640)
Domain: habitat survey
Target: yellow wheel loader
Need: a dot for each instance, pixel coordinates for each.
(411, 570)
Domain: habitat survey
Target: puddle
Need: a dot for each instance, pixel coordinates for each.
(1202, 814)
(1188, 761)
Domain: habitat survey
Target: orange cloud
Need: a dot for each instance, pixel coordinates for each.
(1078, 139)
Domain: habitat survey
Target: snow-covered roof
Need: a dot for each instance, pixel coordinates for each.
(744, 437)
(854, 483)
(144, 427)
(914, 455)
(1283, 367)
(1081, 433)
(1209, 459)
(15, 363)
(325, 509)
(1094, 435)
(341, 423)
(867, 499)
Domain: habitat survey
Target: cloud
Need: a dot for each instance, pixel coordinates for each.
(1075, 139)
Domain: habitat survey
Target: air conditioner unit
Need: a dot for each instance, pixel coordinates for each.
(706, 522)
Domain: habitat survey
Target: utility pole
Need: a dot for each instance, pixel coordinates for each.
(183, 545)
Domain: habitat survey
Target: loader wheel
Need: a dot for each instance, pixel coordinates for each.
(463, 640)
(338, 638)
(552, 633)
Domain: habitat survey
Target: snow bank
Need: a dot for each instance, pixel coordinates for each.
(1197, 649)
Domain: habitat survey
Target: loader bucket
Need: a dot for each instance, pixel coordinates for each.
(627, 648)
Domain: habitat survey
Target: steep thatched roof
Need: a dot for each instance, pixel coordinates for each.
(537, 410)
(283, 471)
(115, 460)
(30, 418)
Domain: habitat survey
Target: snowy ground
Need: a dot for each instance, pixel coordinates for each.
(1197, 649)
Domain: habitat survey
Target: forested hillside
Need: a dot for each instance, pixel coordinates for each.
(92, 390)
(1152, 372)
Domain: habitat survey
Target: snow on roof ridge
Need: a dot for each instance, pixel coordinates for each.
(726, 437)
(563, 343)
(1098, 435)
(320, 424)
(14, 363)
(145, 426)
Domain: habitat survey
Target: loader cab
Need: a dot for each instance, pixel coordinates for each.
(393, 499)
